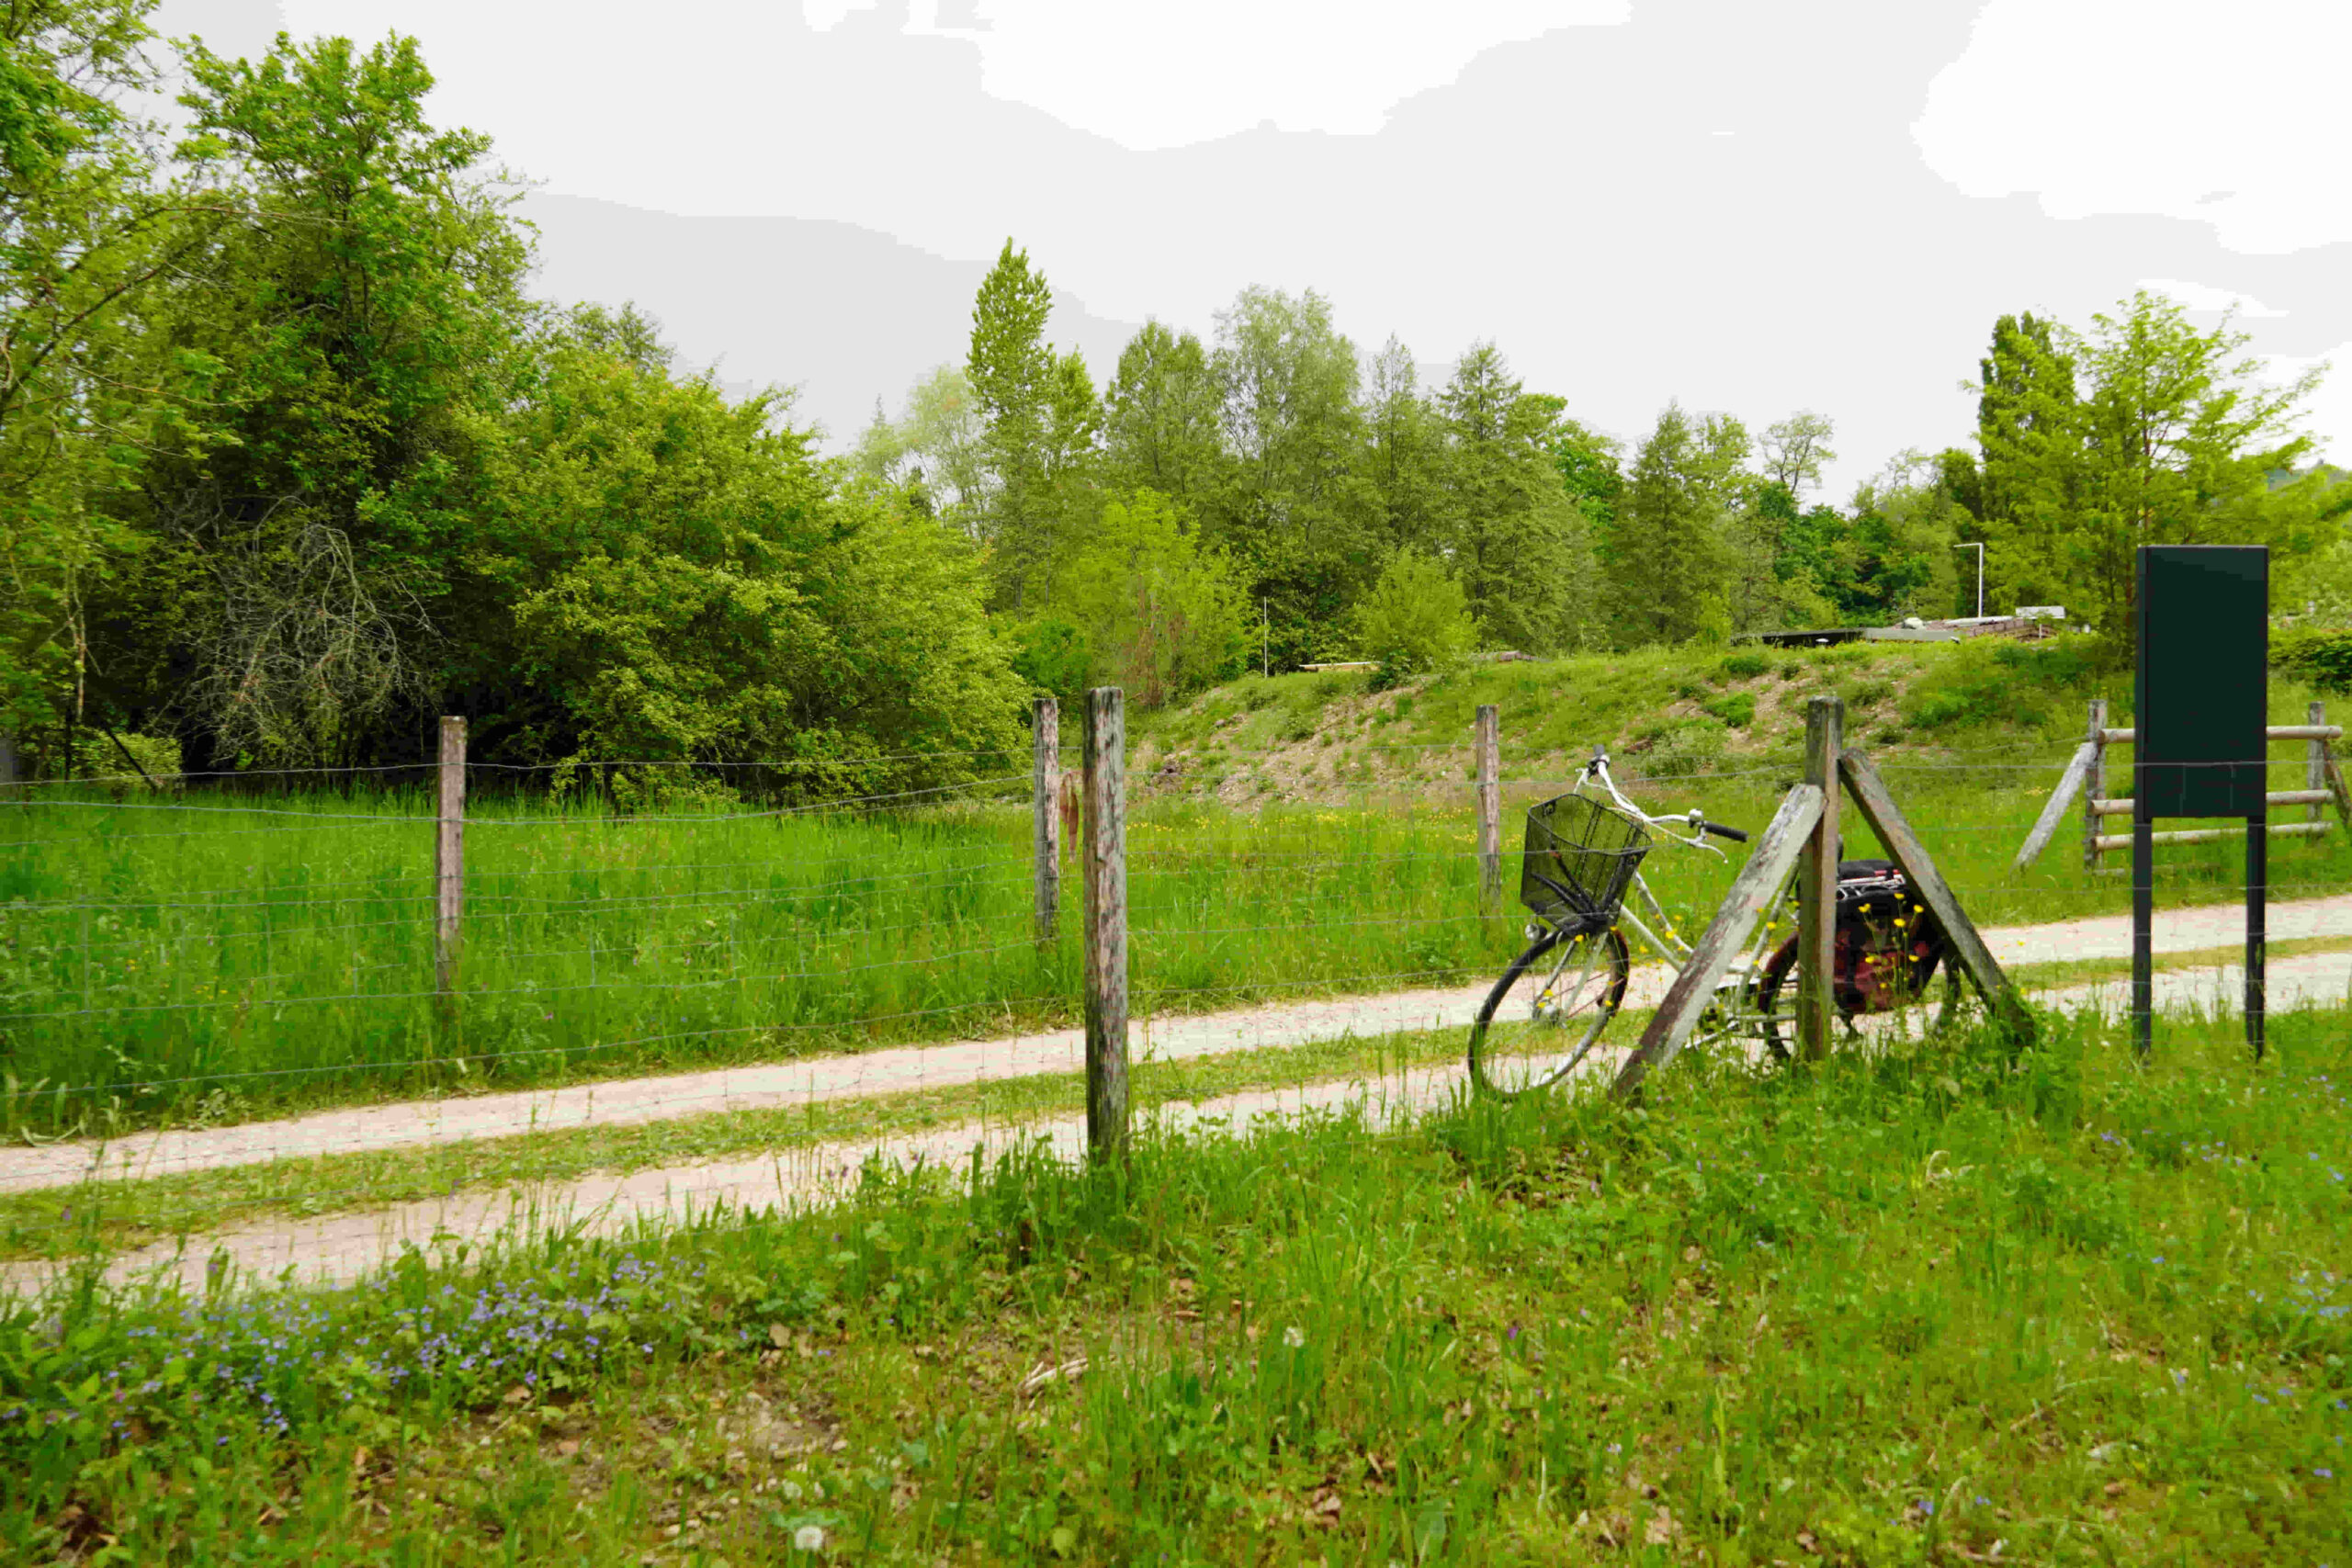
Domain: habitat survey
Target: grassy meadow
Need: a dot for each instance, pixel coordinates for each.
(1949, 1306)
(211, 957)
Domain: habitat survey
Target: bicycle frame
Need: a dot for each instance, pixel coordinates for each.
(1735, 989)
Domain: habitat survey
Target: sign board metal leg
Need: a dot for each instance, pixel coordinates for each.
(2143, 918)
(2257, 873)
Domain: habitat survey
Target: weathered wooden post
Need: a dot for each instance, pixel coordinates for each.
(1490, 810)
(1045, 791)
(2315, 761)
(1104, 869)
(2095, 787)
(449, 862)
(1825, 737)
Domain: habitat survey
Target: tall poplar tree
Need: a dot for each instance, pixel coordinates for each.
(1666, 558)
(1012, 373)
(1521, 549)
(1406, 455)
(2027, 436)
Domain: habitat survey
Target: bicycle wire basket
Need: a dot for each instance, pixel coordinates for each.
(1579, 859)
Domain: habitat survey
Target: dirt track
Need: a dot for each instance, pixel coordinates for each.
(341, 1248)
(627, 1102)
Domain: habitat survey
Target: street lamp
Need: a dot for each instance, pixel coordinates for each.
(1979, 548)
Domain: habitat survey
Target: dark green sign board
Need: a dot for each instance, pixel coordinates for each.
(2201, 693)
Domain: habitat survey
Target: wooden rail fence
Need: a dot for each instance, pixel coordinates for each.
(2086, 777)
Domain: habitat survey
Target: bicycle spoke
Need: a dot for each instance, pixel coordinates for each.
(1545, 1016)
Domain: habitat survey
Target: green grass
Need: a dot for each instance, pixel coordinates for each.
(241, 958)
(1888, 1311)
(1947, 703)
(97, 1217)
(276, 960)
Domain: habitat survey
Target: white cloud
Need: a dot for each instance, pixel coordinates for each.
(2182, 108)
(2328, 410)
(1173, 74)
(2203, 298)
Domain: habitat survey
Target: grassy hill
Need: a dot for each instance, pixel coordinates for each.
(1664, 714)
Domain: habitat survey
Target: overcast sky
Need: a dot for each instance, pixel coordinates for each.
(1755, 205)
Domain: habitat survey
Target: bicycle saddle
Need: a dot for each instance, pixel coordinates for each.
(1864, 870)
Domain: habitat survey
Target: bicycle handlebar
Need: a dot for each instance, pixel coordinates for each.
(1695, 827)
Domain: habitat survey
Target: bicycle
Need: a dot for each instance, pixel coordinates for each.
(1582, 862)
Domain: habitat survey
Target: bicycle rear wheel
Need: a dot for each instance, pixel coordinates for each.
(1777, 1000)
(1545, 1014)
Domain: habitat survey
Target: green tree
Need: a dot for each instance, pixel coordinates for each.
(1415, 619)
(1406, 455)
(88, 231)
(1897, 558)
(1161, 419)
(1666, 556)
(1795, 450)
(1024, 399)
(2143, 430)
(306, 535)
(688, 584)
(933, 450)
(1588, 464)
(2027, 438)
(1521, 547)
(1298, 514)
(1160, 610)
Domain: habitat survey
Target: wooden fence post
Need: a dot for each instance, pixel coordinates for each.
(2095, 786)
(1825, 737)
(2315, 763)
(1104, 869)
(449, 861)
(1046, 791)
(1490, 810)
(2334, 770)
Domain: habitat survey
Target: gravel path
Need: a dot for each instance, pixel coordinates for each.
(622, 1102)
(342, 1247)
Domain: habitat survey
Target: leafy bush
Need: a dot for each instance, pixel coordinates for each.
(157, 756)
(1162, 612)
(1735, 709)
(2322, 658)
(1677, 749)
(1744, 666)
(1415, 619)
(1053, 656)
(1987, 681)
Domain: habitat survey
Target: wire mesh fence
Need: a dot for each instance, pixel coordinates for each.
(261, 987)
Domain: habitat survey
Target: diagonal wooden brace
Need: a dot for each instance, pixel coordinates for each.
(1975, 960)
(2045, 826)
(1751, 893)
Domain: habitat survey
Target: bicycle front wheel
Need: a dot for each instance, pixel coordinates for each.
(1546, 1013)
